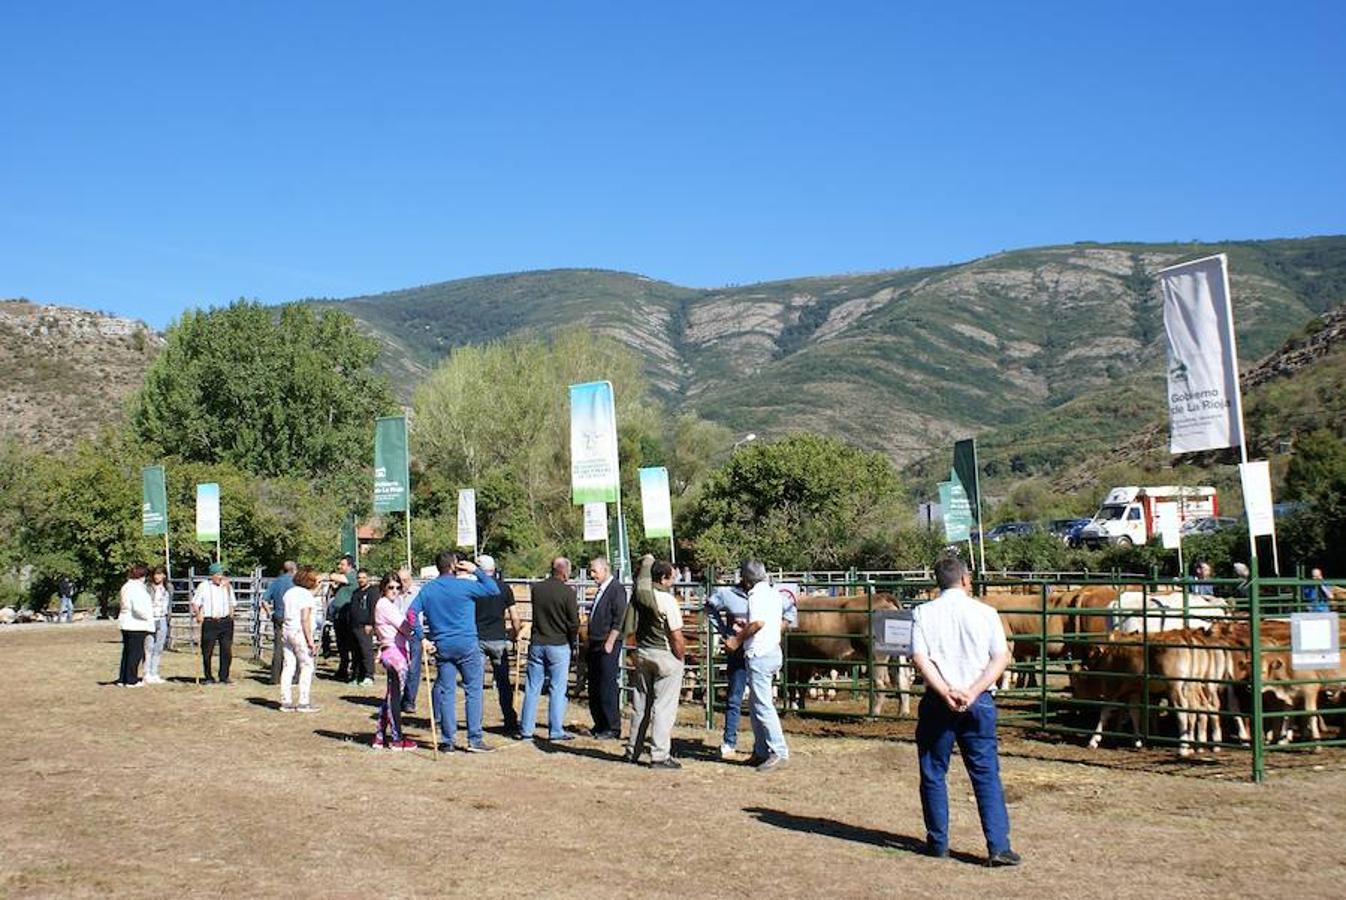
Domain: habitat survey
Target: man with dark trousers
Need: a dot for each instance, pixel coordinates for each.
(497, 628)
(343, 586)
(213, 607)
(273, 605)
(604, 651)
(360, 615)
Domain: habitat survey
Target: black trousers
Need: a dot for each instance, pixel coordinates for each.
(217, 631)
(133, 654)
(345, 646)
(604, 702)
(364, 653)
(277, 648)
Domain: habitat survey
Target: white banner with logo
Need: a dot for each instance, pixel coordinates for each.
(594, 472)
(654, 502)
(467, 518)
(208, 513)
(1203, 387)
(595, 521)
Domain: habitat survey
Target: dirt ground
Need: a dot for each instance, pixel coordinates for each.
(180, 789)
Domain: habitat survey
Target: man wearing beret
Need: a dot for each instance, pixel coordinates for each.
(213, 605)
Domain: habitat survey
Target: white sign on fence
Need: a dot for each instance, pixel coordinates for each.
(1315, 642)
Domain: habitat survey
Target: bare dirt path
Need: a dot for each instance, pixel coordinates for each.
(179, 789)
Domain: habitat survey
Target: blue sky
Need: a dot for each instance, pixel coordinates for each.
(155, 156)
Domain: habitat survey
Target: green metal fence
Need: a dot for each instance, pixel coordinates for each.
(1193, 669)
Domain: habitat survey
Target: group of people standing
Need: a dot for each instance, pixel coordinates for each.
(143, 618)
(467, 615)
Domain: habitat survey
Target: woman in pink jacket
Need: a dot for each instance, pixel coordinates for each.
(392, 627)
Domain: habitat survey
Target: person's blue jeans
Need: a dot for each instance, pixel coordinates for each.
(767, 736)
(67, 613)
(551, 661)
(453, 662)
(736, 678)
(411, 687)
(498, 653)
(937, 728)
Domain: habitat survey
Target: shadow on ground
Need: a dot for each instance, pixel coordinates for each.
(885, 840)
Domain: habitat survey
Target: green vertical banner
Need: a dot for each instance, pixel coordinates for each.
(153, 501)
(392, 465)
(350, 543)
(965, 469)
(595, 475)
(957, 514)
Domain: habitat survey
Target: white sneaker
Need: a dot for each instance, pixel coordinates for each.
(153, 679)
(306, 708)
(728, 752)
(288, 707)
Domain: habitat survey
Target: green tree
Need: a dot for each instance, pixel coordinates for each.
(806, 501)
(292, 393)
(496, 418)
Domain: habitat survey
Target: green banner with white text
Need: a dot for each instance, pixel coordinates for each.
(392, 465)
(153, 501)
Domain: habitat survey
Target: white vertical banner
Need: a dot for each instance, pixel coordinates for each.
(1205, 409)
(208, 513)
(594, 469)
(467, 518)
(595, 521)
(654, 502)
(1257, 502)
(1167, 523)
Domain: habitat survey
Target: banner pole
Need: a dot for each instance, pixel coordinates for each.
(671, 558)
(430, 690)
(1238, 388)
(408, 534)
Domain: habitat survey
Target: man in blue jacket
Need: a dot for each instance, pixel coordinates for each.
(449, 604)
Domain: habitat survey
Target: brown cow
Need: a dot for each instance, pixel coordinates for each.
(837, 629)
(1022, 614)
(1177, 668)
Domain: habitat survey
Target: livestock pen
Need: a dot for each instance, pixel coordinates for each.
(1199, 667)
(1196, 673)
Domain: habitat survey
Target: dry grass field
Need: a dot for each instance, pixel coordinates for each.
(185, 790)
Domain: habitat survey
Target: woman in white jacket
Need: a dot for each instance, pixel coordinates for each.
(136, 620)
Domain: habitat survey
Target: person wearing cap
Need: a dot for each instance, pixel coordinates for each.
(497, 629)
(213, 606)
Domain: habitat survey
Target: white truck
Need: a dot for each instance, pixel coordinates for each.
(1132, 515)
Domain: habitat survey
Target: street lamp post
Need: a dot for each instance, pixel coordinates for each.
(746, 439)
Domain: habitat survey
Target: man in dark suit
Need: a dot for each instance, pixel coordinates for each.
(603, 654)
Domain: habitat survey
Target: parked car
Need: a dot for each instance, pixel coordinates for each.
(1207, 525)
(1068, 530)
(1011, 529)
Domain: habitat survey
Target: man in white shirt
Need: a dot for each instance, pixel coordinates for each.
(959, 647)
(760, 639)
(213, 604)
